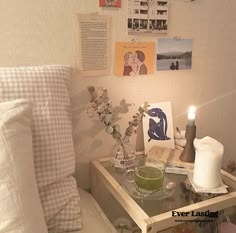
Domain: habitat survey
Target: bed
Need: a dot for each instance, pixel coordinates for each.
(37, 164)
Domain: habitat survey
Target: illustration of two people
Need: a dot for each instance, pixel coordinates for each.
(174, 66)
(134, 63)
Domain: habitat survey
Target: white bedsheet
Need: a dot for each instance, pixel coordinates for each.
(93, 218)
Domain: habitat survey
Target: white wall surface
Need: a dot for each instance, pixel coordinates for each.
(45, 32)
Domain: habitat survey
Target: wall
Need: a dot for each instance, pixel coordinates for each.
(45, 32)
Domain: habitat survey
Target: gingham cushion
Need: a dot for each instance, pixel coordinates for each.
(66, 219)
(54, 160)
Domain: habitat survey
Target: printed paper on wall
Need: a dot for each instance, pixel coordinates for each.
(94, 44)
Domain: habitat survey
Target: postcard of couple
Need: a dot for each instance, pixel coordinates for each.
(132, 59)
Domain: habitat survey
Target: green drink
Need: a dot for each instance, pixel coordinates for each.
(148, 178)
(148, 175)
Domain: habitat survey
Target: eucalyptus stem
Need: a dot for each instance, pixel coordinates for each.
(126, 156)
(101, 105)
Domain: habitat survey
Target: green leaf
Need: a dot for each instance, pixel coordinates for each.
(116, 128)
(109, 129)
(116, 135)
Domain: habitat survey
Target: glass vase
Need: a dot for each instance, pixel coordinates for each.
(123, 156)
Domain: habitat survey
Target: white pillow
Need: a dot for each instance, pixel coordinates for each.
(20, 208)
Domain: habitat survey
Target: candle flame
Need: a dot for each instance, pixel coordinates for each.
(192, 109)
(191, 113)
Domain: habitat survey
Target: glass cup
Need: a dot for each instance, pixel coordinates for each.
(148, 175)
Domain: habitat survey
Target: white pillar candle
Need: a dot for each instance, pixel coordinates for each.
(208, 160)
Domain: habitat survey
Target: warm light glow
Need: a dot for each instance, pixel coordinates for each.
(191, 116)
(191, 113)
(192, 109)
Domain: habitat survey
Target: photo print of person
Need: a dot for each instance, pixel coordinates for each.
(132, 59)
(158, 126)
(174, 54)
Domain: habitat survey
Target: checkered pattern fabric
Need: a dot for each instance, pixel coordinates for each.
(53, 196)
(47, 87)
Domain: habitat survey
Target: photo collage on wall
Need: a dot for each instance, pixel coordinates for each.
(141, 58)
(134, 58)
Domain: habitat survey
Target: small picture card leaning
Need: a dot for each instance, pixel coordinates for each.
(158, 126)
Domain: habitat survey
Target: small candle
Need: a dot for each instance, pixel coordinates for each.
(191, 115)
(208, 159)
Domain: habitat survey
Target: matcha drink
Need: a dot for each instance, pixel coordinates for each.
(149, 178)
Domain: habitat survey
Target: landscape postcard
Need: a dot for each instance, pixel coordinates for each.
(174, 54)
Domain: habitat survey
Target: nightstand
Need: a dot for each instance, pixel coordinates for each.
(156, 215)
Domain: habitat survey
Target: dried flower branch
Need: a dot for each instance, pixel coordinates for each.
(101, 106)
